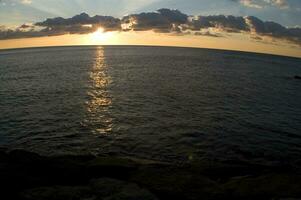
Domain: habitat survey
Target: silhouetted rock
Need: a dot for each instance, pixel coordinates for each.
(22, 156)
(265, 186)
(103, 188)
(176, 183)
(111, 166)
(26, 175)
(297, 77)
(107, 188)
(58, 193)
(3, 155)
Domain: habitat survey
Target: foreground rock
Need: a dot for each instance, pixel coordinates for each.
(103, 188)
(26, 175)
(278, 185)
(297, 77)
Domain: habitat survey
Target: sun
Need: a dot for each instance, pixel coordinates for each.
(101, 36)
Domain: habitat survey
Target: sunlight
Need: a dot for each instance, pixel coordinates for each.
(101, 37)
(99, 96)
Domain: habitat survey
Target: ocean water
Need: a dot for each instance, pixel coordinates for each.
(170, 104)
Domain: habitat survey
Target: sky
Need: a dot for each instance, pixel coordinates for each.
(267, 26)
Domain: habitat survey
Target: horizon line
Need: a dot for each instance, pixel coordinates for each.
(142, 45)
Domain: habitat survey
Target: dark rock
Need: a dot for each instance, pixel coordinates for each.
(297, 77)
(265, 186)
(22, 156)
(31, 176)
(106, 186)
(3, 155)
(132, 192)
(58, 193)
(176, 183)
(112, 189)
(111, 166)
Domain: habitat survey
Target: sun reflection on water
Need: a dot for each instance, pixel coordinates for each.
(99, 97)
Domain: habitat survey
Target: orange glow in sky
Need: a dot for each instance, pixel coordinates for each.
(240, 42)
(100, 36)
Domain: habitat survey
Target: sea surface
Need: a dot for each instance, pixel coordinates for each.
(161, 103)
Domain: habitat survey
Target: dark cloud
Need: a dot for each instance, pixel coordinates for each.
(13, 34)
(173, 16)
(22, 32)
(227, 23)
(107, 22)
(79, 24)
(274, 30)
(26, 26)
(163, 20)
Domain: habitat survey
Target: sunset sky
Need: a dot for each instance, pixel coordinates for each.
(267, 26)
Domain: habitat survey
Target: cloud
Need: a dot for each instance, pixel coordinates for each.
(79, 24)
(227, 23)
(251, 3)
(274, 30)
(283, 4)
(13, 2)
(26, 1)
(279, 3)
(163, 21)
(107, 22)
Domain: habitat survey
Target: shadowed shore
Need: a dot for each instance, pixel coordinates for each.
(26, 175)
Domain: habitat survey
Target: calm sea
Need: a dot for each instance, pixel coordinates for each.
(171, 104)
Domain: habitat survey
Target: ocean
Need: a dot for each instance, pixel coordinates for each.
(159, 103)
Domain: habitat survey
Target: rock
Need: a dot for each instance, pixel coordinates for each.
(132, 192)
(115, 167)
(223, 171)
(297, 77)
(3, 155)
(264, 186)
(22, 156)
(176, 183)
(112, 189)
(58, 193)
(31, 176)
(106, 186)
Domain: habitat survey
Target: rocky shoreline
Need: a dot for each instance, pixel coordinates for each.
(26, 175)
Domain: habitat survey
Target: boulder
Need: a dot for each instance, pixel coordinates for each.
(112, 189)
(176, 183)
(297, 77)
(265, 186)
(114, 167)
(58, 193)
(24, 157)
